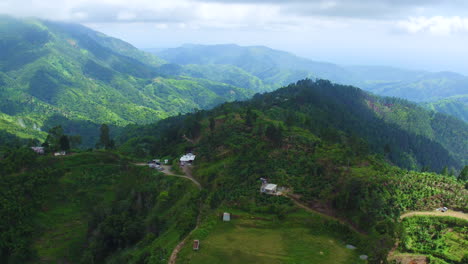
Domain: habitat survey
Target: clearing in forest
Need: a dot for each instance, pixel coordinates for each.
(301, 237)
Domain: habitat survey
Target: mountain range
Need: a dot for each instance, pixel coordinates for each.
(54, 73)
(347, 164)
(51, 70)
(278, 68)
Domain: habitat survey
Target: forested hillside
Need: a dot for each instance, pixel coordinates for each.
(87, 207)
(332, 147)
(51, 70)
(306, 137)
(404, 133)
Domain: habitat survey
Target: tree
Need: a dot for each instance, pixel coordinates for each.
(52, 142)
(64, 143)
(445, 171)
(104, 138)
(275, 134)
(463, 174)
(75, 141)
(212, 124)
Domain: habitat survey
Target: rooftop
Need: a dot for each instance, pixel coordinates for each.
(188, 157)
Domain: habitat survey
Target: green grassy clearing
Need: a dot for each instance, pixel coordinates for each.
(264, 239)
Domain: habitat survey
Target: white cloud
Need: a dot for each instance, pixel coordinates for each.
(161, 26)
(437, 25)
(126, 15)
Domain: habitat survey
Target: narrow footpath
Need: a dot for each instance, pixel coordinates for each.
(307, 208)
(188, 175)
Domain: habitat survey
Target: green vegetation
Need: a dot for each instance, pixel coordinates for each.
(396, 130)
(442, 238)
(321, 141)
(51, 71)
(261, 238)
(456, 106)
(324, 142)
(86, 207)
(334, 147)
(277, 68)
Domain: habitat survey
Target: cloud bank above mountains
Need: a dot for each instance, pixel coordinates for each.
(344, 31)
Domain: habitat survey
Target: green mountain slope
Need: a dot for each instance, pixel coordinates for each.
(456, 106)
(83, 208)
(55, 69)
(404, 133)
(278, 68)
(332, 153)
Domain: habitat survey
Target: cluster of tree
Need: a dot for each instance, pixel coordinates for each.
(57, 141)
(441, 238)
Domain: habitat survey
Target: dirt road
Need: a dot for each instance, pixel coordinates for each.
(167, 170)
(188, 174)
(456, 214)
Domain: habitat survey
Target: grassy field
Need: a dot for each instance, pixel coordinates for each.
(264, 239)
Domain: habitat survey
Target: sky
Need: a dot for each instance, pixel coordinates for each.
(414, 34)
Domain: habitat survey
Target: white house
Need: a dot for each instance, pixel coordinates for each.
(270, 188)
(187, 159)
(38, 150)
(60, 153)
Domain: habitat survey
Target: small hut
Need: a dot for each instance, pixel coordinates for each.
(196, 244)
(226, 217)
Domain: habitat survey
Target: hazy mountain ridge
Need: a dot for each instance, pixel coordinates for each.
(278, 68)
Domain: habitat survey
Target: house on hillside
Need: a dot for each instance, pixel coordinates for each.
(60, 153)
(38, 150)
(269, 188)
(226, 217)
(187, 159)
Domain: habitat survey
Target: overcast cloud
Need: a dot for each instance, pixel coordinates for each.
(426, 34)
